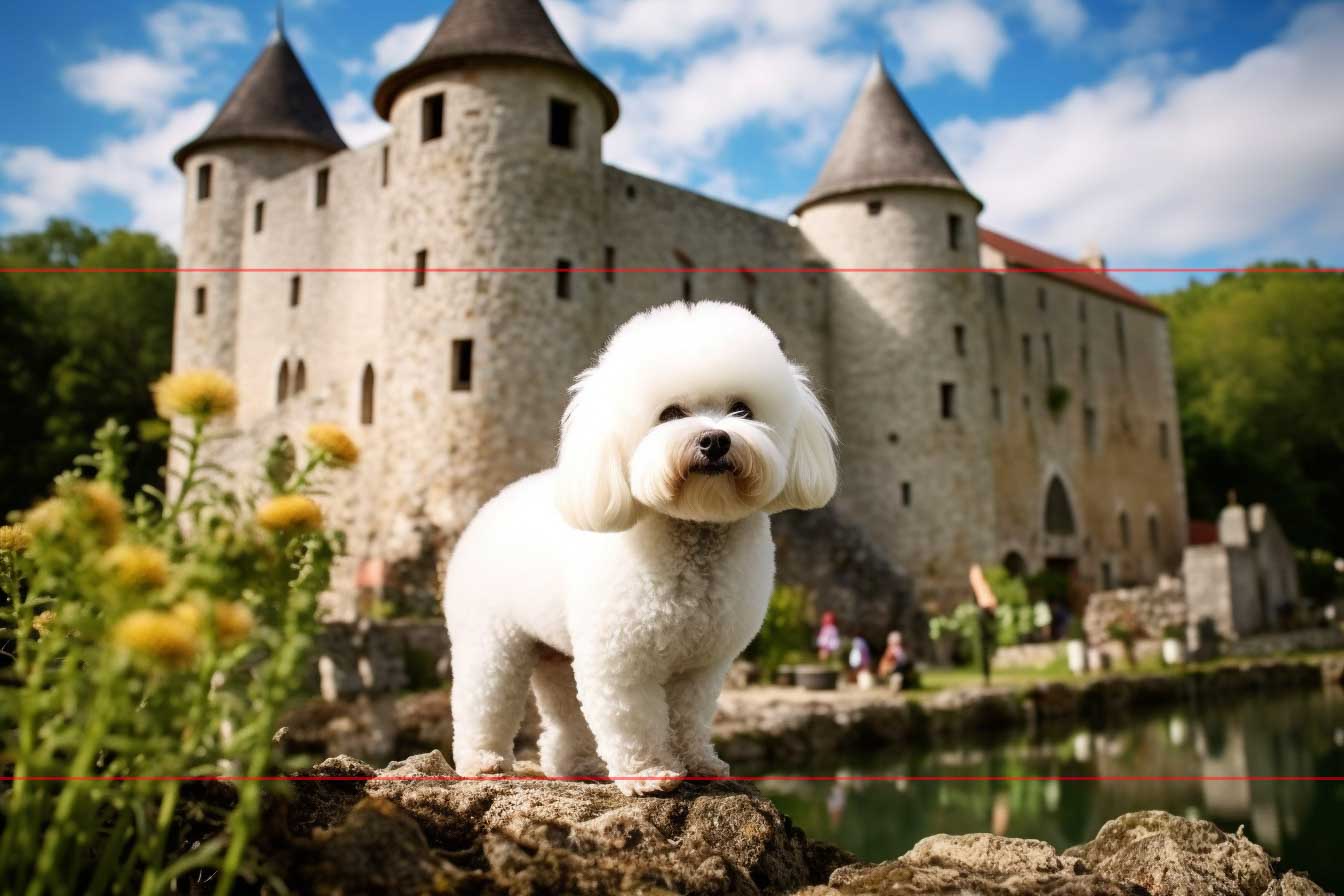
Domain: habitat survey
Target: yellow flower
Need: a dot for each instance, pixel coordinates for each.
(160, 635)
(14, 538)
(138, 565)
(335, 441)
(104, 506)
(194, 393)
(43, 621)
(94, 502)
(233, 622)
(290, 513)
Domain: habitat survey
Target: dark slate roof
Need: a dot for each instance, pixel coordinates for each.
(474, 30)
(881, 145)
(274, 101)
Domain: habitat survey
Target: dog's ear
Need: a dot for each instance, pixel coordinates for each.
(812, 475)
(592, 488)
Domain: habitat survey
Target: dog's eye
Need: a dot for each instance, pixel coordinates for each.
(671, 412)
(740, 409)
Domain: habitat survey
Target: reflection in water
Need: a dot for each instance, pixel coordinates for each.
(1300, 734)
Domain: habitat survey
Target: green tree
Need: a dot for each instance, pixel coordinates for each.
(1259, 364)
(79, 348)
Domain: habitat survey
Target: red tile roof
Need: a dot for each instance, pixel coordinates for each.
(1020, 255)
(1203, 532)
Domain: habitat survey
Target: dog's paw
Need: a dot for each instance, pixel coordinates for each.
(483, 762)
(709, 766)
(649, 780)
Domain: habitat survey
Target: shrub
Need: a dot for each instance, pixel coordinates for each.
(1057, 398)
(162, 639)
(786, 634)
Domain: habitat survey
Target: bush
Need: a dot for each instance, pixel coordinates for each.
(1319, 580)
(1057, 398)
(786, 634)
(161, 638)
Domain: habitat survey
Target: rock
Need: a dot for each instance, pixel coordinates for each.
(1294, 884)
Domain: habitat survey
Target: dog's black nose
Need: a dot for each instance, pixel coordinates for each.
(714, 444)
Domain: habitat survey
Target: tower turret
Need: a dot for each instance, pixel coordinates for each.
(272, 123)
(911, 391)
(494, 161)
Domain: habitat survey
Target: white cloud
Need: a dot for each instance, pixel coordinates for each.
(400, 44)
(1057, 20)
(188, 27)
(957, 37)
(127, 82)
(1163, 167)
(354, 117)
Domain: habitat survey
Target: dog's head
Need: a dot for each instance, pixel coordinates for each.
(692, 411)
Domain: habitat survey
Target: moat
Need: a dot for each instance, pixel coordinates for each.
(1290, 734)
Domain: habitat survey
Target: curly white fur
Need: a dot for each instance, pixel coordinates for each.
(624, 582)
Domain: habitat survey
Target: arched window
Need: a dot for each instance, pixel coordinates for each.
(1058, 510)
(366, 396)
(300, 378)
(282, 383)
(1123, 520)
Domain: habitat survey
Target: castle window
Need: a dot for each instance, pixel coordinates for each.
(461, 379)
(954, 231)
(1107, 578)
(1082, 311)
(431, 118)
(258, 217)
(323, 179)
(1163, 440)
(1082, 357)
(905, 494)
(387, 163)
(996, 403)
(947, 393)
(282, 383)
(1154, 533)
(421, 266)
(203, 181)
(200, 300)
(300, 378)
(684, 262)
(1123, 522)
(1090, 427)
(630, 191)
(1120, 337)
(562, 269)
(749, 288)
(562, 123)
(874, 207)
(1026, 349)
(1049, 358)
(1040, 298)
(608, 264)
(1059, 518)
(1000, 293)
(959, 339)
(295, 290)
(366, 396)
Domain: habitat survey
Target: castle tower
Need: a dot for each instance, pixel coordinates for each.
(494, 161)
(272, 123)
(909, 387)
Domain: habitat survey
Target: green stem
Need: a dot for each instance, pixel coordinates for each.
(172, 513)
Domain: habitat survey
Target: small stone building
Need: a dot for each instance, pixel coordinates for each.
(437, 291)
(1247, 581)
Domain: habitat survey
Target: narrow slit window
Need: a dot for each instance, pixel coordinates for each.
(258, 217)
(282, 383)
(905, 494)
(366, 396)
(1163, 441)
(323, 182)
(431, 118)
(1124, 529)
(1026, 350)
(295, 290)
(1040, 298)
(300, 377)
(1090, 428)
(1154, 533)
(1049, 358)
(200, 300)
(203, 178)
(996, 403)
(1120, 337)
(608, 264)
(562, 278)
(387, 163)
(959, 339)
(461, 380)
(562, 123)
(1083, 357)
(947, 396)
(954, 231)
(421, 266)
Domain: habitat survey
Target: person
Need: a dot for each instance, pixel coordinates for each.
(896, 664)
(828, 637)
(861, 661)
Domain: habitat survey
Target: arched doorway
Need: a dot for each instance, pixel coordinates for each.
(1061, 555)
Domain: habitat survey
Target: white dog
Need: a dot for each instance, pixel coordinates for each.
(624, 581)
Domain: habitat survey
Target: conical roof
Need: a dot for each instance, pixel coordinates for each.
(475, 30)
(275, 101)
(881, 145)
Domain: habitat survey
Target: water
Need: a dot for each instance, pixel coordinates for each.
(1288, 734)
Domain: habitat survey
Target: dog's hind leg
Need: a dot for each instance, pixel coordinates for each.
(490, 675)
(567, 745)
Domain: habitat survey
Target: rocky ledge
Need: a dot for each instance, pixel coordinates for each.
(415, 828)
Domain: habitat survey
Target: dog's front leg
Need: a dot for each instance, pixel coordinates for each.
(692, 700)
(628, 716)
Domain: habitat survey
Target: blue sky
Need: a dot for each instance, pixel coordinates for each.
(1167, 132)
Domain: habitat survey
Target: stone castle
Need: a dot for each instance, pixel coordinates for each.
(987, 413)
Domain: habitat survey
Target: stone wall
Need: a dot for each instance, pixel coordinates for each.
(1147, 610)
(1220, 587)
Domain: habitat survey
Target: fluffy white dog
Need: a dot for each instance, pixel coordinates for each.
(624, 581)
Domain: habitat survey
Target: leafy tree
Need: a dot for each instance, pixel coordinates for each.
(79, 349)
(1259, 364)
